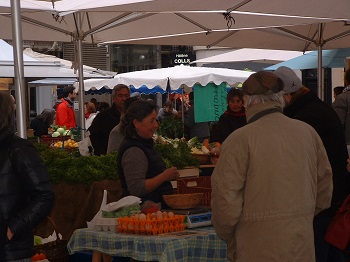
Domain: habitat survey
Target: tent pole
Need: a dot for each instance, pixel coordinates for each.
(183, 110)
(18, 68)
(320, 77)
(79, 40)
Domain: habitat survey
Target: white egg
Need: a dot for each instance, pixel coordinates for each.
(170, 214)
(142, 216)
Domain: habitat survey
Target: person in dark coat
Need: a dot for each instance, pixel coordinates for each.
(42, 122)
(26, 194)
(304, 105)
(234, 117)
(107, 119)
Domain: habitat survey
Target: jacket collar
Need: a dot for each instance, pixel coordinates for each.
(346, 89)
(68, 102)
(260, 107)
(230, 112)
(299, 102)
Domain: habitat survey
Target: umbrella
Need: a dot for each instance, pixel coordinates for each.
(250, 54)
(108, 20)
(79, 20)
(330, 59)
(328, 35)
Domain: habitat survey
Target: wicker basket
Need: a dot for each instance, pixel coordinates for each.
(183, 201)
(47, 139)
(55, 251)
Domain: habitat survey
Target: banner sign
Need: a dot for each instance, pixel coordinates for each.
(183, 58)
(210, 102)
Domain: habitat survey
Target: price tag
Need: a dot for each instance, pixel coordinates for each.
(76, 105)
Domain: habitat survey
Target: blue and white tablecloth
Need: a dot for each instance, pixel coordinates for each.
(202, 247)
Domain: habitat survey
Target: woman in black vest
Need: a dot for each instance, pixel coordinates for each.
(142, 171)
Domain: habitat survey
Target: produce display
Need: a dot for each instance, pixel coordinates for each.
(204, 148)
(181, 153)
(73, 168)
(59, 131)
(70, 143)
(175, 152)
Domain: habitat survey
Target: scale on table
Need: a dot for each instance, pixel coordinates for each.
(195, 217)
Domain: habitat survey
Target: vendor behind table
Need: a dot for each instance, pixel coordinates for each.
(142, 171)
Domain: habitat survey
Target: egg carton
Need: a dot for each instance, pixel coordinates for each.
(106, 224)
(151, 226)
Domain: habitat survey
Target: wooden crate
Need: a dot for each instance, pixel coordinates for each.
(196, 185)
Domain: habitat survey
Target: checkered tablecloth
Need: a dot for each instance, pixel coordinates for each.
(205, 247)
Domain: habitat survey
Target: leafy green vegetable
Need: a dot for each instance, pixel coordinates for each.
(73, 168)
(179, 156)
(171, 127)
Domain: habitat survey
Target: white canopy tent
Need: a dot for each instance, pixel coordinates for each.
(6, 52)
(39, 69)
(175, 77)
(51, 69)
(39, 65)
(250, 54)
(67, 64)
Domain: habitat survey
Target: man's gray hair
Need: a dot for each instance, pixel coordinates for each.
(119, 87)
(256, 99)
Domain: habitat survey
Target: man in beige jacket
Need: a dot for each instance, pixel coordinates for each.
(272, 177)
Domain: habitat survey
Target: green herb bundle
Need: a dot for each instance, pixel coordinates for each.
(65, 167)
(179, 156)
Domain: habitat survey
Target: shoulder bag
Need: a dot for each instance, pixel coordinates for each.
(338, 232)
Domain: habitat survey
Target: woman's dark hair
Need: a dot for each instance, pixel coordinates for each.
(102, 106)
(47, 115)
(338, 90)
(129, 101)
(234, 92)
(7, 109)
(138, 110)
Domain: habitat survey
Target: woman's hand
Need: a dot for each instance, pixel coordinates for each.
(167, 175)
(171, 174)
